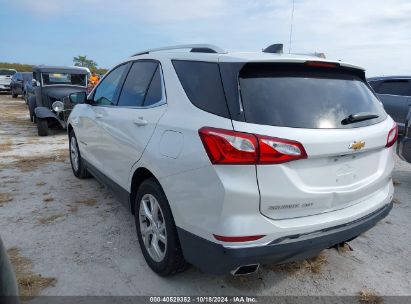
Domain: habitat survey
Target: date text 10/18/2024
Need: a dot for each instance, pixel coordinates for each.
(206, 299)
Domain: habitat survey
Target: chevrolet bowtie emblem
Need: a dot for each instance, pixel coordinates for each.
(357, 145)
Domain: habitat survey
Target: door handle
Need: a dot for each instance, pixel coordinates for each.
(99, 115)
(140, 122)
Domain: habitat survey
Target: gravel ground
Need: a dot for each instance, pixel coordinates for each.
(75, 231)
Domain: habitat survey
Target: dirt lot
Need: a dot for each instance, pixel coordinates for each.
(76, 239)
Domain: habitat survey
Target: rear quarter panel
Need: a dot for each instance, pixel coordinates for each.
(203, 198)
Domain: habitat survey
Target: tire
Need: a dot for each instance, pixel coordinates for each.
(171, 259)
(42, 127)
(32, 106)
(77, 165)
(14, 95)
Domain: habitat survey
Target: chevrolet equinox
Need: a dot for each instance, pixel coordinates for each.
(229, 160)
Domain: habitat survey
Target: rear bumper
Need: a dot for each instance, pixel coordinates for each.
(214, 258)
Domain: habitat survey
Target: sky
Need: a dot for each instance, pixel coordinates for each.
(374, 34)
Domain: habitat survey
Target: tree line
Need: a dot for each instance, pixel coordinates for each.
(81, 61)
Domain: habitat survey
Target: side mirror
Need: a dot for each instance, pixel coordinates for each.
(34, 82)
(78, 97)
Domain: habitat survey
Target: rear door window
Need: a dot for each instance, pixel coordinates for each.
(155, 90)
(202, 84)
(136, 87)
(400, 87)
(305, 98)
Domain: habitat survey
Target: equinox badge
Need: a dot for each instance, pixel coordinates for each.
(357, 145)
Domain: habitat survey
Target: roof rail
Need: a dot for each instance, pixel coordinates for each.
(198, 48)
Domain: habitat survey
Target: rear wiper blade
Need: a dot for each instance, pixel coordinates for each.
(358, 117)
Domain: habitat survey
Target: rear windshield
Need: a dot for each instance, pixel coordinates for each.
(7, 73)
(64, 78)
(305, 98)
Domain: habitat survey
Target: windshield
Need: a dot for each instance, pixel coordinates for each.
(7, 72)
(301, 99)
(27, 76)
(64, 79)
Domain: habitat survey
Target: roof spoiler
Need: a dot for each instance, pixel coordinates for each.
(315, 54)
(278, 48)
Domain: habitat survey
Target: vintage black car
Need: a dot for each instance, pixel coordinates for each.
(50, 85)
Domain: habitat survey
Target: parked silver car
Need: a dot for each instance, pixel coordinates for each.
(5, 79)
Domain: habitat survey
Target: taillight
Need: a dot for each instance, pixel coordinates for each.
(392, 136)
(278, 150)
(231, 147)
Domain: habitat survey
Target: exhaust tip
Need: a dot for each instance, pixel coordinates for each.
(245, 270)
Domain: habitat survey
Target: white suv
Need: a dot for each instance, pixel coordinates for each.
(228, 160)
(5, 78)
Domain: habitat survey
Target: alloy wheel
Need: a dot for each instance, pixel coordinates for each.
(74, 153)
(153, 227)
